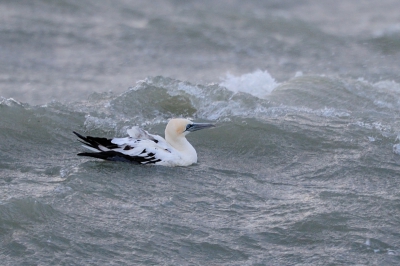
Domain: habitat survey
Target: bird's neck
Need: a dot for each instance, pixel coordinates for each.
(183, 146)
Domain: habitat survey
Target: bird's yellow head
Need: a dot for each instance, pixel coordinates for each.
(177, 127)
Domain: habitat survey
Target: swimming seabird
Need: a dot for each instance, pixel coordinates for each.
(144, 148)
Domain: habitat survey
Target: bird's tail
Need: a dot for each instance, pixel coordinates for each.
(110, 156)
(96, 144)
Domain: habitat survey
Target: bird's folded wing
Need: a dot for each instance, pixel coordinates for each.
(146, 151)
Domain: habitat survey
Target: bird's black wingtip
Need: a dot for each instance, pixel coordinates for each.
(78, 135)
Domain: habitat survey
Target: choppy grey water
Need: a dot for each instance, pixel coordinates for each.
(302, 168)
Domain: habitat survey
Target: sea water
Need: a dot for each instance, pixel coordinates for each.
(302, 167)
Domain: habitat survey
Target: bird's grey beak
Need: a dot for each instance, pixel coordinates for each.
(198, 126)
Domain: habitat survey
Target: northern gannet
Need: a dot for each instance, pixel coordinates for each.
(144, 148)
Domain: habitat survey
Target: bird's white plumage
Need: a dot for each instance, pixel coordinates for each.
(144, 148)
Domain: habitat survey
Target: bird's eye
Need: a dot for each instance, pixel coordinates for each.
(188, 126)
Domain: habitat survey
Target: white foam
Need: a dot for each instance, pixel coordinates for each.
(391, 30)
(9, 102)
(298, 74)
(396, 149)
(259, 83)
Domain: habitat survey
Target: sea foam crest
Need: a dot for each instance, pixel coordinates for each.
(396, 149)
(9, 102)
(259, 83)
